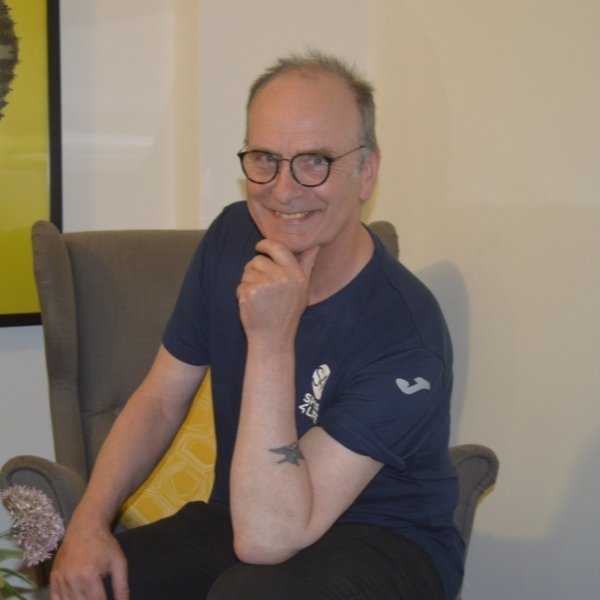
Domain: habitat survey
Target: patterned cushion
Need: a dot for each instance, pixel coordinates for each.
(186, 471)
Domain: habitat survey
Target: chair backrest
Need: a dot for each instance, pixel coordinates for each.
(105, 297)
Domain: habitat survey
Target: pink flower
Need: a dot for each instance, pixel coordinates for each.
(36, 526)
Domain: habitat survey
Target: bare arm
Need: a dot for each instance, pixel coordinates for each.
(153, 413)
(284, 496)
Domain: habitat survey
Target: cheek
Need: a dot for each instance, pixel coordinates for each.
(253, 190)
(345, 200)
(255, 198)
(258, 213)
(254, 208)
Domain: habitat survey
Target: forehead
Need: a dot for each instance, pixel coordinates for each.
(304, 108)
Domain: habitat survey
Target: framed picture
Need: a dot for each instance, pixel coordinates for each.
(30, 147)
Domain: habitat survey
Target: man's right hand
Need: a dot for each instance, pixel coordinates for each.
(85, 558)
(274, 292)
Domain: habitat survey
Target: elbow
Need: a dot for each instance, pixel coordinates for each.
(260, 552)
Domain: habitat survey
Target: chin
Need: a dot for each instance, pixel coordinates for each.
(295, 246)
(296, 242)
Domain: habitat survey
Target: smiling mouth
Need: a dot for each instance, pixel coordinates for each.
(294, 216)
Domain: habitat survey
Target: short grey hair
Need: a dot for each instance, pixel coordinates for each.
(316, 61)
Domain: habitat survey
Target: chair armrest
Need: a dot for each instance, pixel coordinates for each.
(477, 468)
(63, 486)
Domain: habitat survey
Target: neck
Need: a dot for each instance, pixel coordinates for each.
(336, 267)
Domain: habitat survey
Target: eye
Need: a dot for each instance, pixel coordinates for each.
(264, 158)
(313, 161)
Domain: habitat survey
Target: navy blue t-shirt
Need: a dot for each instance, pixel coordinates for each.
(373, 369)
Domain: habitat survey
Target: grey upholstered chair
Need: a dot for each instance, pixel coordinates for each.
(105, 298)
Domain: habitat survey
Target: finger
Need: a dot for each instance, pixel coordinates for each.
(58, 590)
(67, 591)
(259, 264)
(255, 272)
(55, 592)
(277, 251)
(119, 581)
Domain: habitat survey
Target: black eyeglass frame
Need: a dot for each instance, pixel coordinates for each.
(329, 159)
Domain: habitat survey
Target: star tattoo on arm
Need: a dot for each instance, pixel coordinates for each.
(291, 454)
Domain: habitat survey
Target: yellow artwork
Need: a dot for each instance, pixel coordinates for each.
(185, 473)
(24, 149)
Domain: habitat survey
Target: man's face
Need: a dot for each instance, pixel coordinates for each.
(302, 113)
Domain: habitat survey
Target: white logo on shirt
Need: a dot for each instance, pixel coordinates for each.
(407, 388)
(310, 402)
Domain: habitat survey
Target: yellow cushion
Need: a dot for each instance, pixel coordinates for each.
(185, 473)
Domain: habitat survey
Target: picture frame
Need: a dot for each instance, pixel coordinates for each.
(30, 146)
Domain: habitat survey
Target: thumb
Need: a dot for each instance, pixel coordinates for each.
(307, 260)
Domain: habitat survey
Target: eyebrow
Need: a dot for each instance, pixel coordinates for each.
(320, 150)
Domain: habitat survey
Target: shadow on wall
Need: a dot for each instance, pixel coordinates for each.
(448, 286)
(559, 565)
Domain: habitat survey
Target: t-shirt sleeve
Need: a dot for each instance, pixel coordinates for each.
(394, 407)
(186, 334)
(209, 286)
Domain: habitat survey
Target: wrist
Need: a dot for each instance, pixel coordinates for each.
(270, 347)
(89, 519)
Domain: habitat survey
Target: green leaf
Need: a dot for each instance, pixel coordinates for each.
(9, 553)
(12, 592)
(15, 573)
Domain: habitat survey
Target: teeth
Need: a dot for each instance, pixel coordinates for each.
(291, 216)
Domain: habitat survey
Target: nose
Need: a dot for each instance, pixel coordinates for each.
(285, 187)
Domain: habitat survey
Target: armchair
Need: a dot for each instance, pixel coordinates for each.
(105, 298)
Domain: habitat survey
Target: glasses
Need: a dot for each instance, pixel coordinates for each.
(309, 169)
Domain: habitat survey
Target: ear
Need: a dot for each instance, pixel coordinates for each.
(368, 173)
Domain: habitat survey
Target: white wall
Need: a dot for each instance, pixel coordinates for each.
(491, 143)
(488, 123)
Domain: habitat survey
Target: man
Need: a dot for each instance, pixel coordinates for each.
(331, 369)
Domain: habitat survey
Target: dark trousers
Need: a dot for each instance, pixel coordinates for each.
(189, 556)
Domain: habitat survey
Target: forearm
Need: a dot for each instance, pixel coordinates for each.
(124, 461)
(271, 499)
(278, 505)
(139, 437)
